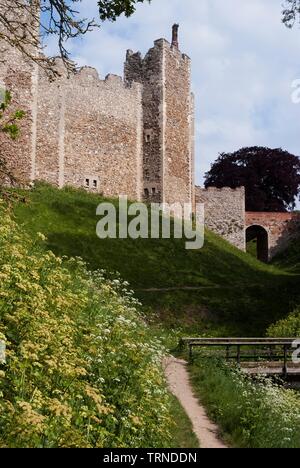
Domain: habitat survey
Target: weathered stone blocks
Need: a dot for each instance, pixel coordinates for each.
(225, 213)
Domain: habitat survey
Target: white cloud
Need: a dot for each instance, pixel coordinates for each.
(244, 63)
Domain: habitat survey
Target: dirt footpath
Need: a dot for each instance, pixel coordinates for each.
(179, 384)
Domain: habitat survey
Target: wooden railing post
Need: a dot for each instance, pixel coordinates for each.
(228, 353)
(190, 352)
(239, 355)
(285, 366)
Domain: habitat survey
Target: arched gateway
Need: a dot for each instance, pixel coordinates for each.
(226, 216)
(257, 237)
(272, 232)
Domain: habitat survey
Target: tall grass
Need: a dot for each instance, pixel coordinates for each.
(251, 414)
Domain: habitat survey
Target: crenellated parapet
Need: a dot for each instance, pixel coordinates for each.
(85, 76)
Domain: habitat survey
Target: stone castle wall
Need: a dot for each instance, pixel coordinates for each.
(111, 136)
(115, 137)
(18, 75)
(90, 133)
(225, 213)
(149, 73)
(179, 122)
(168, 108)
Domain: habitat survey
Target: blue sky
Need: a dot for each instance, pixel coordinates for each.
(244, 62)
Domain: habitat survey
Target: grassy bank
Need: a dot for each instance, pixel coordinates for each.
(215, 289)
(290, 258)
(251, 414)
(182, 435)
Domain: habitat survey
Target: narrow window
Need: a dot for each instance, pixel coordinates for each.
(148, 136)
(153, 191)
(146, 192)
(87, 182)
(95, 184)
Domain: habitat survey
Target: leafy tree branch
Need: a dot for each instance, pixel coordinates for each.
(291, 12)
(24, 22)
(9, 124)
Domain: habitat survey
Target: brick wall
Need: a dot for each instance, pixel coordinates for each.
(282, 228)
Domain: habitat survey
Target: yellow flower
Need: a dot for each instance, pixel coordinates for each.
(41, 236)
(136, 420)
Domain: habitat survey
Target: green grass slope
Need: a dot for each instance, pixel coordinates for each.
(290, 258)
(216, 283)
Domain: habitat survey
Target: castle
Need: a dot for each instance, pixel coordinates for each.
(129, 136)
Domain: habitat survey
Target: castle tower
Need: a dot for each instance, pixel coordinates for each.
(168, 120)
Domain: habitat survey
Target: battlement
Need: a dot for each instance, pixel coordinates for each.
(142, 64)
(129, 136)
(238, 190)
(87, 76)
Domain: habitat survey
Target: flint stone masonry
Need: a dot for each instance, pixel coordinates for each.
(179, 134)
(225, 213)
(226, 216)
(282, 229)
(18, 76)
(90, 129)
(115, 137)
(168, 124)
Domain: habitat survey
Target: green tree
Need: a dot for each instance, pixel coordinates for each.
(112, 9)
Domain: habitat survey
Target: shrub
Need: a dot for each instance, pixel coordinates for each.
(82, 369)
(288, 327)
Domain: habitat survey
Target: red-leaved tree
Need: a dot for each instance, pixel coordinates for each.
(271, 177)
